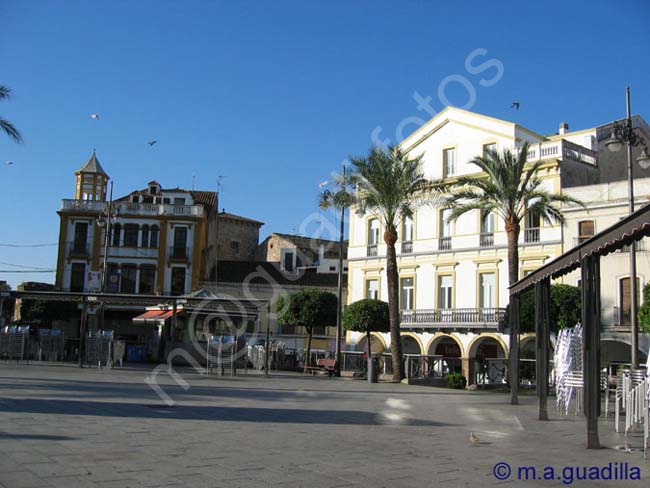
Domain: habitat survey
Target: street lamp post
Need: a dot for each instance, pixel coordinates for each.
(624, 134)
(105, 221)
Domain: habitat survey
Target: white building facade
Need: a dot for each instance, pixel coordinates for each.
(453, 276)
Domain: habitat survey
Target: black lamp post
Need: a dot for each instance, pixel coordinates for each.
(624, 134)
(105, 220)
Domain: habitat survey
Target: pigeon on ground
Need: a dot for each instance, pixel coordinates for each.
(473, 439)
(515, 105)
(94, 116)
(151, 143)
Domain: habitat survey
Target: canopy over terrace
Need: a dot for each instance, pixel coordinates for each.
(586, 256)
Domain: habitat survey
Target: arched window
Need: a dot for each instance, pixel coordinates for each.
(131, 235)
(145, 236)
(153, 239)
(117, 231)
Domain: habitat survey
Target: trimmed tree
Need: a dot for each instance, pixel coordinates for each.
(367, 316)
(308, 308)
(390, 185)
(644, 310)
(565, 309)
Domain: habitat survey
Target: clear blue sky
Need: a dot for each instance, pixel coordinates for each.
(276, 94)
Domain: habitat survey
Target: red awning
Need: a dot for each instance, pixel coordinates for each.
(150, 316)
(167, 314)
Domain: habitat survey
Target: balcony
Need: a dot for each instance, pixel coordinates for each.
(179, 252)
(372, 250)
(130, 208)
(531, 235)
(472, 318)
(561, 149)
(487, 239)
(444, 244)
(78, 249)
(407, 247)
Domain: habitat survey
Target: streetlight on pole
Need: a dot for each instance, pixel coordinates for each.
(624, 134)
(105, 221)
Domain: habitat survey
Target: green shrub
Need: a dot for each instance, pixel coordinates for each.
(456, 381)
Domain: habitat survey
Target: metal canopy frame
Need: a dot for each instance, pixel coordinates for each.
(586, 256)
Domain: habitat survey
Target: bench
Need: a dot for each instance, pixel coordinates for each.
(323, 366)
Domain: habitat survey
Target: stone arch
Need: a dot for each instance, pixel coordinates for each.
(441, 338)
(618, 350)
(411, 343)
(377, 343)
(486, 339)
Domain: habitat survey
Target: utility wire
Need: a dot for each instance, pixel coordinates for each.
(27, 271)
(29, 245)
(37, 268)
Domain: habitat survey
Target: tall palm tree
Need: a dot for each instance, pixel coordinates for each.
(512, 189)
(5, 125)
(388, 185)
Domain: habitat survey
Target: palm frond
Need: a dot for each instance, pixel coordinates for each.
(8, 128)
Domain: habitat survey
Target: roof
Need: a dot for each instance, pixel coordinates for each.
(206, 198)
(630, 229)
(240, 218)
(307, 242)
(266, 273)
(93, 166)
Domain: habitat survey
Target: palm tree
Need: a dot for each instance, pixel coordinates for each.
(388, 184)
(512, 189)
(5, 125)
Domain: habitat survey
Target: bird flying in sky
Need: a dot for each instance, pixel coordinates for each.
(94, 116)
(151, 143)
(9, 163)
(515, 105)
(323, 184)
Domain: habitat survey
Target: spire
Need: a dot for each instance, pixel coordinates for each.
(93, 166)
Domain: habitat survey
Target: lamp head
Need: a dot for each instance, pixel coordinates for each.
(644, 159)
(614, 144)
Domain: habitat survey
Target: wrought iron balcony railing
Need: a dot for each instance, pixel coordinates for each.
(531, 234)
(453, 317)
(444, 244)
(372, 250)
(487, 239)
(407, 246)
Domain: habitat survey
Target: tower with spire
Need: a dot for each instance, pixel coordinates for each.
(91, 180)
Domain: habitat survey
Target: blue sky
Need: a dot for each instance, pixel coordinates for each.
(274, 95)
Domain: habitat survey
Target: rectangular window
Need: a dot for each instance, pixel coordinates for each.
(487, 229)
(625, 299)
(147, 280)
(287, 260)
(489, 148)
(585, 230)
(407, 235)
(178, 281)
(448, 162)
(406, 294)
(78, 277)
(372, 289)
(373, 237)
(179, 249)
(234, 245)
(445, 291)
(80, 237)
(487, 283)
(179, 201)
(127, 282)
(131, 235)
(445, 224)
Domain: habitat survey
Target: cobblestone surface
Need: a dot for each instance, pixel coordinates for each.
(60, 426)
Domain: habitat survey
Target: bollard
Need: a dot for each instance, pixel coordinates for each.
(373, 368)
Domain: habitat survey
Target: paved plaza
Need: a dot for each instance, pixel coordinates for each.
(64, 427)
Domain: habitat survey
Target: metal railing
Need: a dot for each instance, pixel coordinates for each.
(372, 250)
(132, 208)
(178, 252)
(640, 246)
(453, 316)
(444, 244)
(407, 246)
(78, 248)
(531, 234)
(487, 239)
(489, 371)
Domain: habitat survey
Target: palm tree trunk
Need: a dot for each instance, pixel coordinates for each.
(390, 236)
(308, 358)
(512, 231)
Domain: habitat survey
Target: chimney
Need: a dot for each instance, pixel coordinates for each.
(564, 128)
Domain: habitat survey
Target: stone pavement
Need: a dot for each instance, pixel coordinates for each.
(64, 427)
